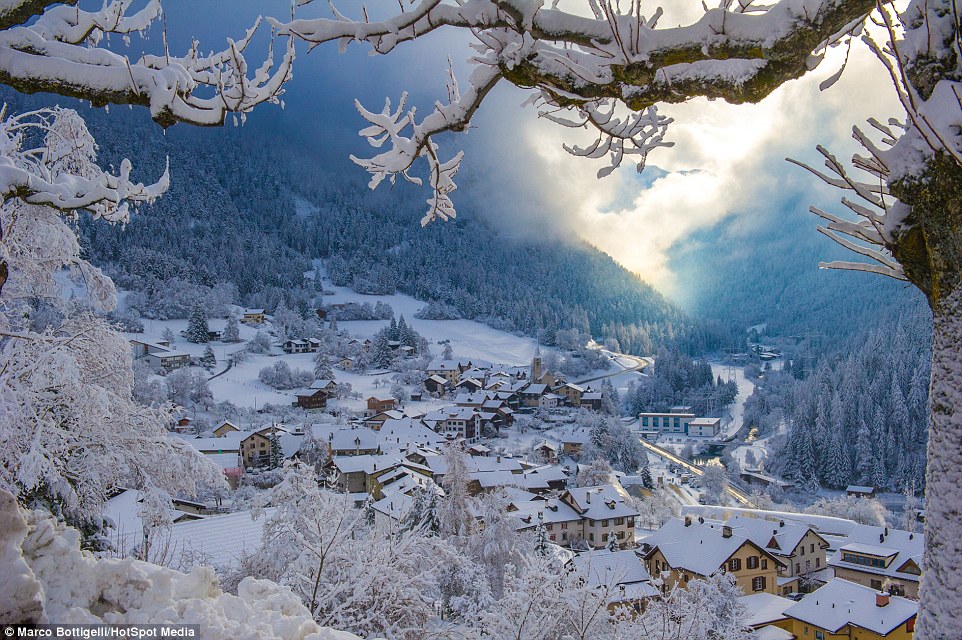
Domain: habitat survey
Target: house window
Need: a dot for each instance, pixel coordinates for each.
(631, 523)
(604, 523)
(798, 568)
(564, 535)
(752, 562)
(877, 585)
(803, 550)
(551, 537)
(735, 564)
(619, 521)
(818, 562)
(764, 563)
(897, 589)
(550, 527)
(819, 635)
(758, 584)
(564, 525)
(591, 537)
(812, 548)
(621, 535)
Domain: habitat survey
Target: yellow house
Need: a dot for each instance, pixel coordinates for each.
(794, 543)
(254, 316)
(685, 550)
(225, 427)
(843, 609)
(878, 557)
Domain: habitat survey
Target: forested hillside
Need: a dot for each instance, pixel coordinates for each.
(244, 219)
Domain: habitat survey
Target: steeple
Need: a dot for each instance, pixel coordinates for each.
(536, 365)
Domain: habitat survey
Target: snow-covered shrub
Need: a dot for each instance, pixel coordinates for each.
(437, 310)
(260, 343)
(280, 376)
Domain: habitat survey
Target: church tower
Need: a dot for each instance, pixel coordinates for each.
(536, 365)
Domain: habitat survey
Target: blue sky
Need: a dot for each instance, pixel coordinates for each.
(727, 165)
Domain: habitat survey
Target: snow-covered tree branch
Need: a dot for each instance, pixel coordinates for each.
(588, 65)
(56, 48)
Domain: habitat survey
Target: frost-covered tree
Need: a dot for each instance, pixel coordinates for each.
(208, 360)
(70, 429)
(322, 365)
(231, 329)
(168, 335)
(861, 510)
(455, 516)
(593, 474)
(197, 329)
(260, 343)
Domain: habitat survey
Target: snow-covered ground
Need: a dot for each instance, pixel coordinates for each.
(469, 339)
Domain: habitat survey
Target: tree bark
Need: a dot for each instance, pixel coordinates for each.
(940, 611)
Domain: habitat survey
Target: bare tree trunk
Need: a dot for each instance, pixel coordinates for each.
(940, 613)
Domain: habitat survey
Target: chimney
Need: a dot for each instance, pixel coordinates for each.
(588, 499)
(881, 599)
(687, 521)
(726, 531)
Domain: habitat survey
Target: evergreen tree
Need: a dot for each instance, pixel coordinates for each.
(208, 360)
(276, 456)
(231, 330)
(837, 471)
(646, 479)
(169, 336)
(322, 365)
(392, 333)
(448, 353)
(197, 329)
(422, 516)
(381, 354)
(864, 457)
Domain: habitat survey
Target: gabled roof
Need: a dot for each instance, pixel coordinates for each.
(839, 603)
(779, 538)
(599, 503)
(220, 540)
(353, 439)
(322, 384)
(700, 547)
(883, 542)
(603, 567)
(764, 608)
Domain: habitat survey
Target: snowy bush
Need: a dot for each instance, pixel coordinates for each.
(437, 310)
(364, 311)
(280, 376)
(260, 343)
(126, 323)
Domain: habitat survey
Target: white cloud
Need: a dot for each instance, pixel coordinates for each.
(737, 151)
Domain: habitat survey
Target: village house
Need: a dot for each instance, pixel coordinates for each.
(571, 393)
(378, 419)
(621, 573)
(256, 446)
(354, 442)
(435, 384)
(301, 346)
(548, 451)
(591, 400)
(604, 512)
(159, 355)
(798, 546)
(469, 385)
(561, 522)
(380, 403)
(843, 609)
(686, 550)
(311, 399)
(456, 423)
(550, 401)
(224, 428)
(881, 557)
(346, 363)
(531, 394)
(572, 443)
(254, 316)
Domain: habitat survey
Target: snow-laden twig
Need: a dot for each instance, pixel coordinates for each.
(59, 53)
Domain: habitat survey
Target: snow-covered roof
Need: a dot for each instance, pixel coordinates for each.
(779, 538)
(219, 540)
(382, 397)
(764, 608)
(600, 502)
(857, 488)
(394, 505)
(772, 632)
(535, 389)
(491, 479)
(364, 463)
(603, 567)
(123, 510)
(591, 395)
(229, 442)
(549, 472)
(224, 460)
(700, 547)
(839, 603)
(354, 439)
(884, 542)
(553, 511)
(321, 384)
(253, 312)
